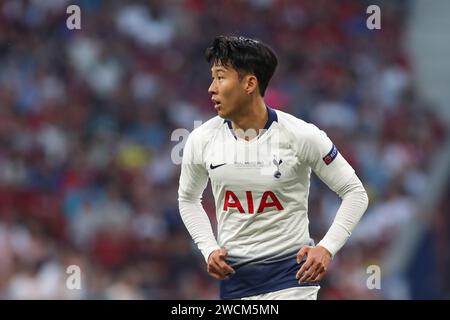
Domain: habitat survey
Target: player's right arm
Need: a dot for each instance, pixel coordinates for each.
(193, 181)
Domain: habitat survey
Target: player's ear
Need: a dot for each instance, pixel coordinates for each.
(251, 83)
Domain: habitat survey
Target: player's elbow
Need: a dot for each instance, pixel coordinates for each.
(360, 195)
(364, 198)
(184, 201)
(357, 194)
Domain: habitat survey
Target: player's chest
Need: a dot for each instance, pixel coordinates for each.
(269, 163)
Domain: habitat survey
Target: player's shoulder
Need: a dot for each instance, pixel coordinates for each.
(207, 129)
(307, 137)
(296, 126)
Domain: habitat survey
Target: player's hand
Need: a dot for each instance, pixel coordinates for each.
(217, 267)
(315, 267)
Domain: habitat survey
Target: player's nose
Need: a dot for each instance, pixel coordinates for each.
(212, 88)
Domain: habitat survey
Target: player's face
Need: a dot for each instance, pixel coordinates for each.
(227, 91)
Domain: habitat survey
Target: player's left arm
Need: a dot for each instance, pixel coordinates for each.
(332, 168)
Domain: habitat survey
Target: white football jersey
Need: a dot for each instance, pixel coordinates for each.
(260, 186)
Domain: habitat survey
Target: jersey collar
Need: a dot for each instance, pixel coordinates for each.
(272, 116)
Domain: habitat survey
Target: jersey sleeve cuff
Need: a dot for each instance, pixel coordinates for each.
(331, 249)
(206, 252)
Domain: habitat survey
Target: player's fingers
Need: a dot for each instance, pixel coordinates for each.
(314, 274)
(225, 267)
(214, 267)
(302, 252)
(220, 262)
(304, 267)
(318, 277)
(221, 267)
(216, 275)
(309, 273)
(215, 272)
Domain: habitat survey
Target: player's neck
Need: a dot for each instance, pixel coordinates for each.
(254, 117)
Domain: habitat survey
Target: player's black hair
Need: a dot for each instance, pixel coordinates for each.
(247, 56)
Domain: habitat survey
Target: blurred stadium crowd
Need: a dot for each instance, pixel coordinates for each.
(86, 116)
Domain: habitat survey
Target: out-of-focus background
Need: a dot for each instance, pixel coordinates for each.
(86, 117)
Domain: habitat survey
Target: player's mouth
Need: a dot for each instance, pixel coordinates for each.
(217, 104)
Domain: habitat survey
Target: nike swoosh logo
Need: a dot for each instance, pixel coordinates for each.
(214, 167)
